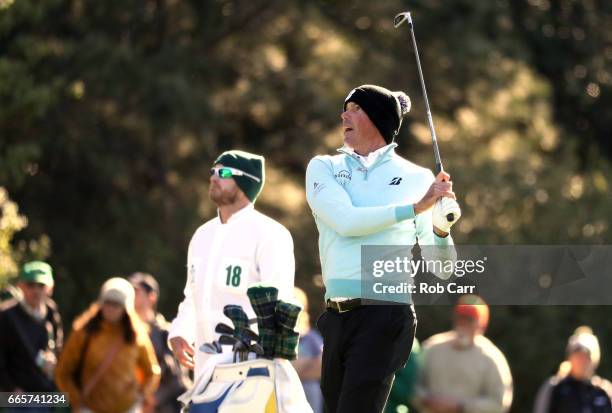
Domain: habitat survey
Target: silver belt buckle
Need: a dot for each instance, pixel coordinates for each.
(337, 305)
(340, 310)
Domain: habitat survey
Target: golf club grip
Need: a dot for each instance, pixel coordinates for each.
(439, 167)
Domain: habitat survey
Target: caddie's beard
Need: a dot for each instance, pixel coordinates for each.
(221, 197)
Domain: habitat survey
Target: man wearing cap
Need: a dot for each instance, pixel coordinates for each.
(369, 195)
(31, 333)
(462, 371)
(174, 379)
(229, 253)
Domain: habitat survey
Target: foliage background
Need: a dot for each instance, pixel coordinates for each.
(112, 112)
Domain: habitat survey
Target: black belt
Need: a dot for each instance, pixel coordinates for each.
(352, 304)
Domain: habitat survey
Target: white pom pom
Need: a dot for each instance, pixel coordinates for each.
(404, 102)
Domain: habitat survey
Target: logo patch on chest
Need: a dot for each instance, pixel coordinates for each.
(343, 177)
(396, 181)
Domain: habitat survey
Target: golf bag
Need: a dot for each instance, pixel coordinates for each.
(254, 386)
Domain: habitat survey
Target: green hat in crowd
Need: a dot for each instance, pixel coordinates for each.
(38, 272)
(249, 163)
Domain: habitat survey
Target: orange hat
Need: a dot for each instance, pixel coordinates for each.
(474, 307)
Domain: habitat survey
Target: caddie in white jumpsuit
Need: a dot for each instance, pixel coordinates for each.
(238, 248)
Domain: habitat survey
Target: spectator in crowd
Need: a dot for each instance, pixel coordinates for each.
(174, 378)
(463, 371)
(576, 388)
(310, 351)
(31, 333)
(405, 382)
(107, 346)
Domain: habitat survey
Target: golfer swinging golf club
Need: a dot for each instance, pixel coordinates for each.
(369, 195)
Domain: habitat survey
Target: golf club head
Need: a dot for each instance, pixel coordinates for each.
(209, 348)
(226, 340)
(240, 348)
(249, 335)
(241, 345)
(257, 349)
(223, 328)
(401, 18)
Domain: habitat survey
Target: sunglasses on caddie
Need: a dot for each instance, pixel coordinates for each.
(226, 172)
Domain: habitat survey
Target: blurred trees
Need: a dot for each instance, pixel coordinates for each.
(570, 43)
(111, 113)
(11, 222)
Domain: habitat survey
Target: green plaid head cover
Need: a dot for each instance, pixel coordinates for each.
(287, 315)
(237, 315)
(286, 345)
(263, 300)
(286, 339)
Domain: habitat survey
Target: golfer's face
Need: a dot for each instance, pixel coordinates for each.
(356, 126)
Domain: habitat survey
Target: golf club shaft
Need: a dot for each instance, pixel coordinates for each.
(434, 139)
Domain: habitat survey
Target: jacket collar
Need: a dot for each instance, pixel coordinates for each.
(374, 158)
(238, 214)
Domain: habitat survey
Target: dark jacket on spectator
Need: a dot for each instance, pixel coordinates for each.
(22, 337)
(174, 378)
(569, 395)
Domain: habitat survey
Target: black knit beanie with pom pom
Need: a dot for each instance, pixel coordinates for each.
(384, 108)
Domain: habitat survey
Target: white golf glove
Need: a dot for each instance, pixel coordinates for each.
(441, 209)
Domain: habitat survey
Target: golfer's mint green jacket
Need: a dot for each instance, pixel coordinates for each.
(355, 205)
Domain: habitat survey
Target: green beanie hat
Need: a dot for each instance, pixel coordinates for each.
(38, 272)
(249, 163)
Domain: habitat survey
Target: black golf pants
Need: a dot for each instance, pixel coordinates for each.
(362, 350)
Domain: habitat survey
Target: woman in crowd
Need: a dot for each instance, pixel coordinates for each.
(107, 347)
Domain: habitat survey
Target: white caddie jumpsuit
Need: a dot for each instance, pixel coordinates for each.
(223, 261)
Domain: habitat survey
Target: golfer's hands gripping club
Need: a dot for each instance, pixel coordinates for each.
(183, 351)
(441, 188)
(445, 213)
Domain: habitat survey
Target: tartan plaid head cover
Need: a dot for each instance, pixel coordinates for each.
(237, 315)
(286, 339)
(263, 300)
